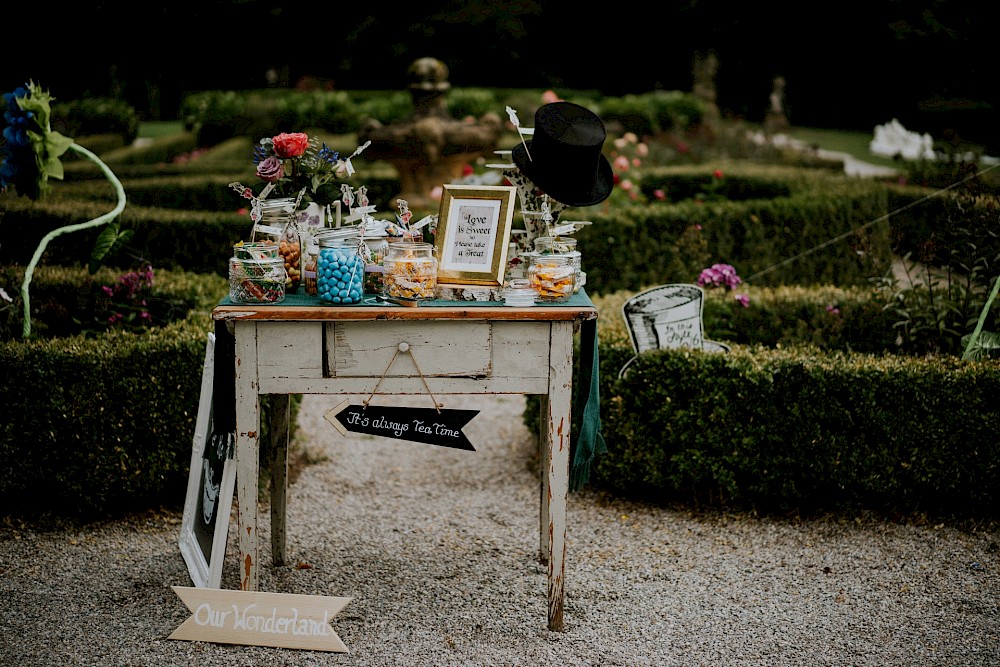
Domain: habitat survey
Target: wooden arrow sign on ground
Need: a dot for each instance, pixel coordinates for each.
(260, 619)
(426, 425)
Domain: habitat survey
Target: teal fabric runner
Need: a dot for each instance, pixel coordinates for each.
(589, 441)
(300, 299)
(584, 447)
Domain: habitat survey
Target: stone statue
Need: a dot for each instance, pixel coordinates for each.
(775, 119)
(704, 69)
(430, 148)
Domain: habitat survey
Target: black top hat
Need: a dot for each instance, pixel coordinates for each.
(564, 157)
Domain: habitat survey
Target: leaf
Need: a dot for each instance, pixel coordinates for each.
(108, 243)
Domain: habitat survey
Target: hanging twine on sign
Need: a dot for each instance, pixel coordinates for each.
(404, 348)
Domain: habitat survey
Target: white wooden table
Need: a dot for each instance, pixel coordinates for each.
(458, 349)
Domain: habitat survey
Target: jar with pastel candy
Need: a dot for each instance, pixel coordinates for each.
(410, 271)
(340, 272)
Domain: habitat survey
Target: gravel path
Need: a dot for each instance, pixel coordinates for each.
(437, 548)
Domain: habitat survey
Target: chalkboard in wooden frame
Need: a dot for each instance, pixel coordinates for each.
(209, 501)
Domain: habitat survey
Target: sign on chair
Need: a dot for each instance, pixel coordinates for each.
(667, 317)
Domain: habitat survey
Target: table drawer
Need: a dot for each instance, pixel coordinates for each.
(365, 349)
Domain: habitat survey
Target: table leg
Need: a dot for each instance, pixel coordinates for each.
(543, 468)
(279, 477)
(247, 452)
(557, 429)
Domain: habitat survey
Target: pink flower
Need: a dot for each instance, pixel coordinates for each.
(719, 275)
(621, 163)
(636, 162)
(833, 310)
(292, 144)
(743, 300)
(436, 193)
(626, 185)
(660, 194)
(642, 150)
(271, 169)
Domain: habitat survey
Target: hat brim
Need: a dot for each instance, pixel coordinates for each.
(570, 194)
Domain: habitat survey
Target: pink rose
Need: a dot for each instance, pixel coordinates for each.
(291, 144)
(270, 169)
(621, 163)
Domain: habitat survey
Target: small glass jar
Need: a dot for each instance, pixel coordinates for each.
(547, 245)
(257, 280)
(553, 276)
(519, 293)
(410, 271)
(340, 272)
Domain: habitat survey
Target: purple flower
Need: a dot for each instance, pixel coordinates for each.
(271, 169)
(719, 275)
(743, 300)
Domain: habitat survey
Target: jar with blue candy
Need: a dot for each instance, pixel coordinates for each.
(340, 271)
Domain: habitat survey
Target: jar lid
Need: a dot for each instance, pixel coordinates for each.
(282, 204)
(333, 235)
(257, 261)
(255, 250)
(374, 229)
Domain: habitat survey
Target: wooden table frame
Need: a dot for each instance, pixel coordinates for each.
(347, 350)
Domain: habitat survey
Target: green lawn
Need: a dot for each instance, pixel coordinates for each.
(157, 128)
(842, 141)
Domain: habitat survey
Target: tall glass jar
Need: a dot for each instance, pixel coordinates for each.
(553, 276)
(278, 220)
(310, 267)
(340, 270)
(376, 247)
(410, 271)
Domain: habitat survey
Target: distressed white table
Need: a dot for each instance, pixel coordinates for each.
(458, 349)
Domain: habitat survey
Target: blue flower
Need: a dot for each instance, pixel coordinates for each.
(30, 152)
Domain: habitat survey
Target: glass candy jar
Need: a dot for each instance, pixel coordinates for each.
(340, 271)
(410, 271)
(553, 276)
(547, 245)
(257, 280)
(310, 267)
(376, 247)
(277, 223)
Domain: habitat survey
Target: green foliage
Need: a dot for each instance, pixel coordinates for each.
(95, 116)
(652, 113)
(936, 307)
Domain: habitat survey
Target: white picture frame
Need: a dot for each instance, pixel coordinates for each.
(209, 501)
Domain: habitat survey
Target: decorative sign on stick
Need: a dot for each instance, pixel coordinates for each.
(425, 425)
(260, 619)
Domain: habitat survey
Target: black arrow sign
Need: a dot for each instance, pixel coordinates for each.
(426, 425)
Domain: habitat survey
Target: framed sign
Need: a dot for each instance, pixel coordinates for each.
(211, 482)
(473, 232)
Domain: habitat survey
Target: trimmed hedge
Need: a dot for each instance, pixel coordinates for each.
(104, 425)
(801, 430)
(782, 425)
